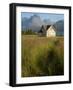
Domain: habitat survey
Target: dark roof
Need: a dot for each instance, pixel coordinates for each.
(45, 27)
(40, 31)
(48, 26)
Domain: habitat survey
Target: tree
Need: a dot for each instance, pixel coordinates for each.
(28, 32)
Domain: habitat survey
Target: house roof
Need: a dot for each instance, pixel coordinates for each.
(48, 26)
(45, 27)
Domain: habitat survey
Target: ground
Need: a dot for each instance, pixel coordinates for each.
(42, 56)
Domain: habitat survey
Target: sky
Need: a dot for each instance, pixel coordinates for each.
(52, 17)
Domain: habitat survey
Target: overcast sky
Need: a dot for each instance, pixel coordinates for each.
(52, 17)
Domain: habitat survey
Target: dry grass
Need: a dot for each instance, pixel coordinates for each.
(42, 56)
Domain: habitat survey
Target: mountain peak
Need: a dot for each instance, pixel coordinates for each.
(35, 16)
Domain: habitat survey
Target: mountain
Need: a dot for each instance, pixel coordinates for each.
(24, 22)
(48, 22)
(34, 22)
(59, 25)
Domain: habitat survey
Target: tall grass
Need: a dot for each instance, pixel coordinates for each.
(42, 56)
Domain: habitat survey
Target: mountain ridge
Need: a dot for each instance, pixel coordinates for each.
(35, 23)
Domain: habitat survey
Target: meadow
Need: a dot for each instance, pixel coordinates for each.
(42, 56)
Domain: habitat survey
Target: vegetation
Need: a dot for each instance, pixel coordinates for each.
(28, 32)
(42, 56)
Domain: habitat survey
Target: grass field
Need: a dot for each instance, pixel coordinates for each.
(42, 56)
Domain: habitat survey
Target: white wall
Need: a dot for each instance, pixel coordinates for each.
(4, 44)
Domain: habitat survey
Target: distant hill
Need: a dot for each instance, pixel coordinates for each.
(59, 25)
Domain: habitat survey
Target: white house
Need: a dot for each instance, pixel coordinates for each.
(48, 31)
(51, 32)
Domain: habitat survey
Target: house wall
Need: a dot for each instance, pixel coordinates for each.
(50, 32)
